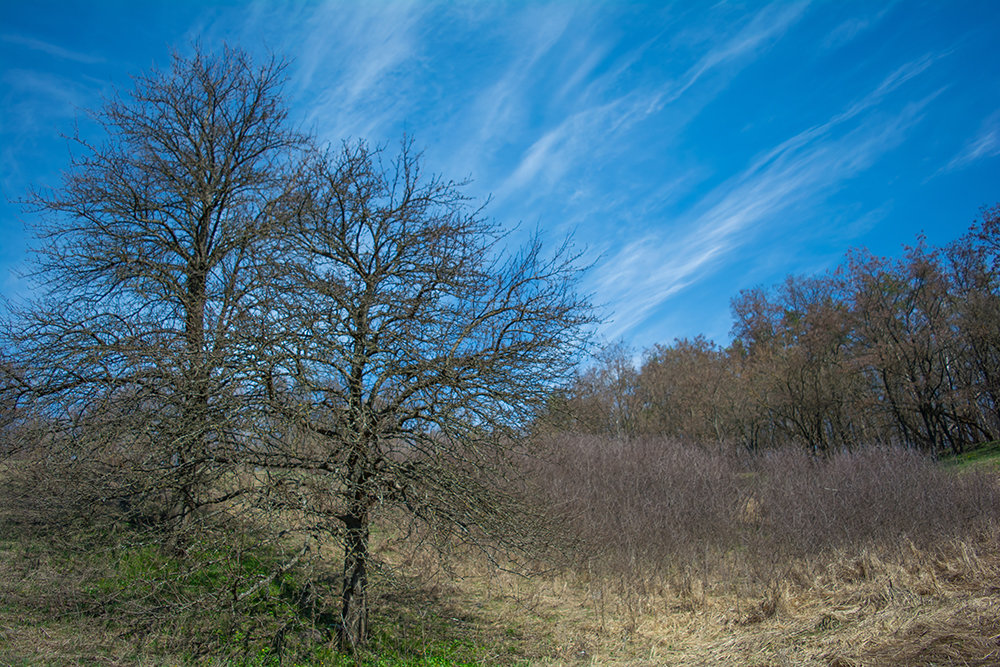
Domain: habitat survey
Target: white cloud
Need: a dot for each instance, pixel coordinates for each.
(52, 49)
(889, 84)
(351, 63)
(34, 95)
(851, 28)
(531, 37)
(563, 147)
(593, 129)
(501, 101)
(766, 26)
(986, 144)
(793, 177)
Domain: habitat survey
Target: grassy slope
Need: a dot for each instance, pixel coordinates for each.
(984, 457)
(898, 606)
(906, 608)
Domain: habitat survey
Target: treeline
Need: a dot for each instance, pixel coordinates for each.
(886, 352)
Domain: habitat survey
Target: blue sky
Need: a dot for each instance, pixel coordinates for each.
(694, 149)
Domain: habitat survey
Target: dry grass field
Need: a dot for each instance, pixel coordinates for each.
(911, 607)
(78, 597)
(905, 606)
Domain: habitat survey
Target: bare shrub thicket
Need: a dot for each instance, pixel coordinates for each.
(807, 504)
(653, 508)
(642, 501)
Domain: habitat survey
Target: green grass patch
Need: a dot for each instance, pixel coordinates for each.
(137, 600)
(984, 457)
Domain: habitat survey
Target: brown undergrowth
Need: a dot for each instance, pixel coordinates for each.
(905, 605)
(679, 556)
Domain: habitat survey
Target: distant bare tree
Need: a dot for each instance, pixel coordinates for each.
(138, 345)
(905, 340)
(411, 351)
(685, 391)
(602, 399)
(798, 344)
(974, 267)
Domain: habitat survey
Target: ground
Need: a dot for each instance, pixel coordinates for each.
(68, 599)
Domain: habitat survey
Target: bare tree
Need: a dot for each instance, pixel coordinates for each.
(412, 352)
(685, 391)
(798, 349)
(602, 399)
(906, 341)
(12, 392)
(218, 302)
(149, 272)
(973, 263)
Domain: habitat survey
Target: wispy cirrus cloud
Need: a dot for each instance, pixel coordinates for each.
(766, 26)
(985, 144)
(526, 43)
(51, 49)
(787, 179)
(541, 66)
(850, 28)
(35, 106)
(352, 65)
(892, 82)
(36, 95)
(596, 123)
(588, 132)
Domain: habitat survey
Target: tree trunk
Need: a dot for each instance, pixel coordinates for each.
(354, 609)
(191, 453)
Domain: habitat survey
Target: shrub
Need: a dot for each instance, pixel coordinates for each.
(649, 507)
